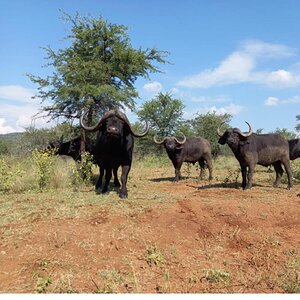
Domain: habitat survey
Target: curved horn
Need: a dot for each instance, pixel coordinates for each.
(123, 117)
(159, 142)
(246, 134)
(180, 142)
(142, 133)
(98, 125)
(218, 130)
(89, 128)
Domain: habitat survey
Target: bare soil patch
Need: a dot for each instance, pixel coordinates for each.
(185, 237)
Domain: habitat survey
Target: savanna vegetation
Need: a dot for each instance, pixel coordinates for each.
(59, 236)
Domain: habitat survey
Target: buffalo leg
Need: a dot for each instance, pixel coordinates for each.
(244, 176)
(177, 172)
(99, 181)
(250, 177)
(202, 167)
(123, 190)
(288, 170)
(116, 180)
(279, 172)
(107, 179)
(208, 160)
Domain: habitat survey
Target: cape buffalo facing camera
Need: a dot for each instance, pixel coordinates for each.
(263, 149)
(190, 150)
(113, 147)
(294, 145)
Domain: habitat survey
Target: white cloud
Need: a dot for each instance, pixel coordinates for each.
(16, 92)
(232, 109)
(18, 109)
(272, 101)
(240, 66)
(5, 128)
(153, 87)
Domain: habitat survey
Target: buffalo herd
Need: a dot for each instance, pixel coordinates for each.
(114, 144)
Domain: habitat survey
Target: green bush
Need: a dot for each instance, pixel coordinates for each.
(8, 176)
(44, 160)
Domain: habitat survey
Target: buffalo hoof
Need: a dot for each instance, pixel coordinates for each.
(105, 190)
(123, 195)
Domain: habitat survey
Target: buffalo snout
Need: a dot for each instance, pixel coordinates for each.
(111, 130)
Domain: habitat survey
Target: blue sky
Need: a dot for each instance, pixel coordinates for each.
(240, 57)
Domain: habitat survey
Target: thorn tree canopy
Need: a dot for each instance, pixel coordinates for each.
(163, 112)
(98, 69)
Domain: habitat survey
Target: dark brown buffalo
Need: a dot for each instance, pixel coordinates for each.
(114, 146)
(190, 150)
(294, 145)
(263, 149)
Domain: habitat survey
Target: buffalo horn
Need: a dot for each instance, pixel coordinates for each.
(218, 130)
(246, 134)
(90, 128)
(180, 142)
(123, 117)
(159, 142)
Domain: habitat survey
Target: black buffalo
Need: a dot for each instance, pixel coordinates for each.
(72, 148)
(294, 146)
(263, 149)
(190, 150)
(114, 146)
(69, 148)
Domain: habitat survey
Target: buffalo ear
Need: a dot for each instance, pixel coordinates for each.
(179, 147)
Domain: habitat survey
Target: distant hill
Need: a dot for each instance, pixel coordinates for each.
(13, 136)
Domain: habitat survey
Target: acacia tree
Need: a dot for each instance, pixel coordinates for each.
(205, 125)
(298, 125)
(163, 112)
(97, 70)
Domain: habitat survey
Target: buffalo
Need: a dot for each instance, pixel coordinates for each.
(72, 148)
(114, 147)
(263, 149)
(69, 148)
(294, 146)
(192, 150)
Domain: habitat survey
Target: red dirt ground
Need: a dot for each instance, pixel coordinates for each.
(210, 239)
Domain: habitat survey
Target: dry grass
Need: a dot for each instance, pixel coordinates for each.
(187, 237)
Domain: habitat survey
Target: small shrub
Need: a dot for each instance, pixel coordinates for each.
(154, 256)
(213, 275)
(43, 283)
(44, 161)
(82, 172)
(8, 177)
(85, 167)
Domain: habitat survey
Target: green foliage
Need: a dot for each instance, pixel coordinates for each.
(44, 160)
(99, 68)
(8, 176)
(82, 172)
(43, 283)
(154, 256)
(285, 133)
(4, 147)
(205, 125)
(164, 115)
(163, 112)
(213, 275)
(297, 127)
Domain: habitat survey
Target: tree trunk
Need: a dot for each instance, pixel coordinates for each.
(82, 143)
